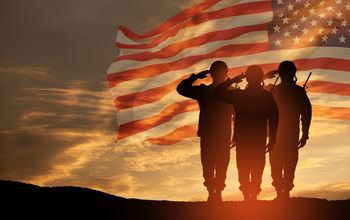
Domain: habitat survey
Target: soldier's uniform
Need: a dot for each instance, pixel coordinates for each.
(214, 129)
(292, 103)
(254, 109)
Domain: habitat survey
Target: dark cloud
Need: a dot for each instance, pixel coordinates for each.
(25, 154)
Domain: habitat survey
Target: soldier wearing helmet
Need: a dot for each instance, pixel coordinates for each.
(293, 106)
(255, 108)
(214, 127)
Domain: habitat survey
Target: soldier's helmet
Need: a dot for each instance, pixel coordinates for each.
(287, 69)
(218, 67)
(254, 74)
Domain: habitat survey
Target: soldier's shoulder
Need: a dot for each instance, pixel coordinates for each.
(299, 89)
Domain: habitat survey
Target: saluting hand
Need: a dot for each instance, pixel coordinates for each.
(203, 74)
(236, 79)
(270, 74)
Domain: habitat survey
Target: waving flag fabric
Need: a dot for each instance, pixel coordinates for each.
(143, 78)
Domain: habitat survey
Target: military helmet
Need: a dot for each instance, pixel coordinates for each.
(254, 73)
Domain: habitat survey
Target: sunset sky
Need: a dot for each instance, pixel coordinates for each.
(59, 123)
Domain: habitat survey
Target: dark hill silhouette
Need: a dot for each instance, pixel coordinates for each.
(26, 201)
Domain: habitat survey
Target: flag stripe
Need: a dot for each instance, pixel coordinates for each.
(178, 120)
(331, 112)
(212, 19)
(176, 48)
(176, 19)
(175, 136)
(154, 108)
(163, 129)
(152, 70)
(250, 37)
(299, 56)
(145, 97)
(137, 126)
(167, 114)
(148, 110)
(328, 87)
(228, 3)
(188, 131)
(155, 94)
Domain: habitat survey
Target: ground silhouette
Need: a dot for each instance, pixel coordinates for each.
(26, 201)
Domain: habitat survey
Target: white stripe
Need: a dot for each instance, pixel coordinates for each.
(163, 129)
(154, 108)
(251, 37)
(206, 27)
(122, 38)
(325, 75)
(138, 85)
(150, 109)
(227, 3)
(329, 100)
(192, 117)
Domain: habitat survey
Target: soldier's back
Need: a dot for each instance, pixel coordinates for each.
(290, 100)
(215, 116)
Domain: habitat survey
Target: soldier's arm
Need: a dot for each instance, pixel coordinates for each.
(222, 93)
(186, 88)
(306, 116)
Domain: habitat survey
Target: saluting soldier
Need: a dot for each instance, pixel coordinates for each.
(214, 127)
(255, 110)
(293, 106)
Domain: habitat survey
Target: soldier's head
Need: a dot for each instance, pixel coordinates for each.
(218, 71)
(287, 70)
(254, 75)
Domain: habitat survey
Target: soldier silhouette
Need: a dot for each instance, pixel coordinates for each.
(254, 108)
(214, 127)
(292, 103)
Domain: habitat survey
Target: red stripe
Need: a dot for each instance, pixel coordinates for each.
(156, 69)
(306, 64)
(331, 112)
(155, 94)
(177, 135)
(176, 48)
(186, 131)
(328, 87)
(236, 10)
(176, 19)
(134, 127)
(145, 97)
(323, 63)
(229, 51)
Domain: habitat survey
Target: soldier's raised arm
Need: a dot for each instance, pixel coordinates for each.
(186, 88)
(222, 93)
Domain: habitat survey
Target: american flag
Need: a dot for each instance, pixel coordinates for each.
(143, 78)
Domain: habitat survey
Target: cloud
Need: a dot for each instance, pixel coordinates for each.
(321, 127)
(27, 71)
(63, 131)
(154, 158)
(336, 191)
